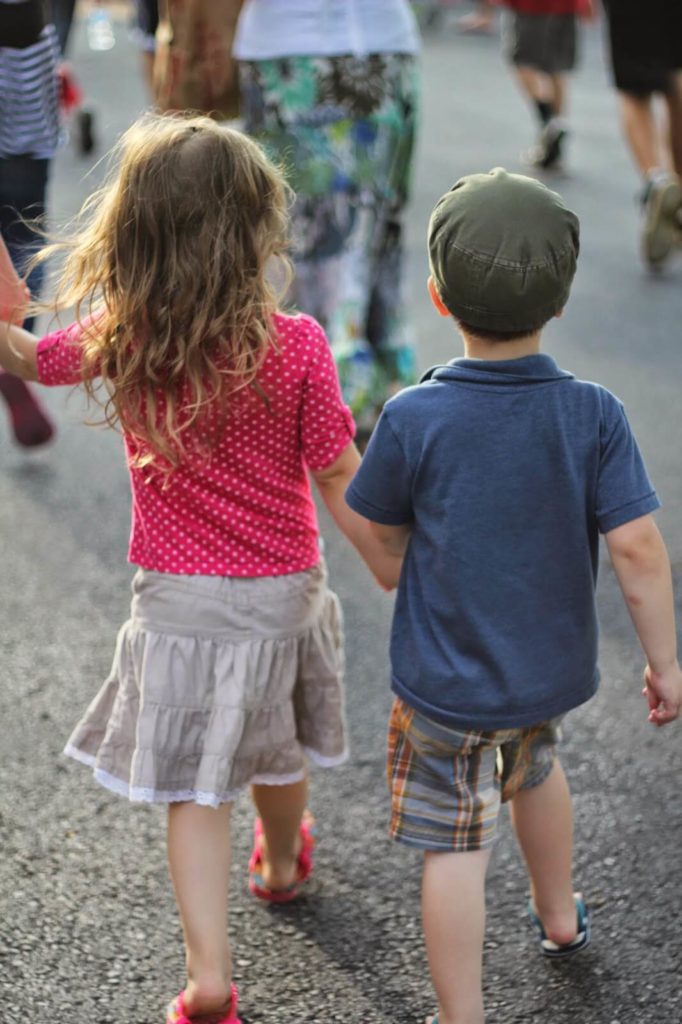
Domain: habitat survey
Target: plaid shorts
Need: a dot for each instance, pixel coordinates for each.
(447, 785)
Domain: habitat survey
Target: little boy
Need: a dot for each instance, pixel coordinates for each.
(541, 43)
(495, 475)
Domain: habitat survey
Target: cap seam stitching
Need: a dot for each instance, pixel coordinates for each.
(503, 262)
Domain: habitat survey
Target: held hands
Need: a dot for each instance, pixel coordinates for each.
(663, 691)
(14, 295)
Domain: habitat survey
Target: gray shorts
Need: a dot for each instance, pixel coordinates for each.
(218, 683)
(546, 42)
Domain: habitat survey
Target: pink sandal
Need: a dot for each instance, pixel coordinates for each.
(304, 864)
(177, 1014)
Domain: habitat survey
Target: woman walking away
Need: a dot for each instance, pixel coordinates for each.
(228, 671)
(29, 138)
(330, 89)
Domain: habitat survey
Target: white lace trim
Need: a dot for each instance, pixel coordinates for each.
(140, 794)
(323, 761)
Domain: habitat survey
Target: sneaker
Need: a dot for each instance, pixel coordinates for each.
(549, 150)
(661, 202)
(546, 154)
(85, 136)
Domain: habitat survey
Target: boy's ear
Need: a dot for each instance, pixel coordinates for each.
(559, 313)
(436, 299)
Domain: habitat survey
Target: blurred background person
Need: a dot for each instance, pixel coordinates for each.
(146, 24)
(541, 43)
(29, 138)
(329, 87)
(193, 66)
(645, 44)
(480, 21)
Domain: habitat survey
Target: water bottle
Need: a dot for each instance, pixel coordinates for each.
(100, 31)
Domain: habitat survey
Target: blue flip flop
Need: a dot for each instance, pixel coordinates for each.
(551, 949)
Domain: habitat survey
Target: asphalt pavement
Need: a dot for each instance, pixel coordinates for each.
(88, 929)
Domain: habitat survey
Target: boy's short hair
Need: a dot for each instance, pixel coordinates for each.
(503, 250)
(483, 334)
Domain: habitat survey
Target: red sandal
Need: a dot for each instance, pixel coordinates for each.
(304, 864)
(177, 1014)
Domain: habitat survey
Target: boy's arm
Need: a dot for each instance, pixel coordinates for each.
(641, 563)
(18, 351)
(384, 560)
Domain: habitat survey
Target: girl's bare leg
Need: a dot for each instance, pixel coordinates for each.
(281, 809)
(199, 861)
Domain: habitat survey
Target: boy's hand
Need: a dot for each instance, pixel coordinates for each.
(663, 691)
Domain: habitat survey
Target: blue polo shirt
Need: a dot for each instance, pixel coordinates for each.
(507, 472)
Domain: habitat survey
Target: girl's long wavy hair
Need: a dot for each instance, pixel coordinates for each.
(169, 260)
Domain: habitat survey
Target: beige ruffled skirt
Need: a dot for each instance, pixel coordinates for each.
(218, 683)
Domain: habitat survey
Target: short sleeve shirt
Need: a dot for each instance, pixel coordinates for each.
(507, 472)
(247, 510)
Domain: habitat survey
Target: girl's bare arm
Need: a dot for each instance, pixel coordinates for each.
(384, 561)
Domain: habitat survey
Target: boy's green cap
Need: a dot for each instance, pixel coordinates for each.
(503, 250)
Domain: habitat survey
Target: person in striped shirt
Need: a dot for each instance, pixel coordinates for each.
(29, 138)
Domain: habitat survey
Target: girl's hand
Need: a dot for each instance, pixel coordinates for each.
(14, 295)
(13, 309)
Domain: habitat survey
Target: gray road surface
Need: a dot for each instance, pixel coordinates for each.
(88, 932)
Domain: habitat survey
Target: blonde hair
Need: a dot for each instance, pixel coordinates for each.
(170, 256)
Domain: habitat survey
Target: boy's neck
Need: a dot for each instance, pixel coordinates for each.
(494, 351)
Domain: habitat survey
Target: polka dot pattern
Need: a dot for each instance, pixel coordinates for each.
(247, 510)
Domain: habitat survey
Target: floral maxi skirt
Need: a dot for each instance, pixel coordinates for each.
(343, 130)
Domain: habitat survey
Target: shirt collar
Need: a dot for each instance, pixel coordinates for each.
(535, 369)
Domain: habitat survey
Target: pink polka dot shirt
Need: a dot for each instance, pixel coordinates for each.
(247, 510)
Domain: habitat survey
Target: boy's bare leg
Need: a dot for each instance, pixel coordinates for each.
(453, 912)
(281, 809)
(543, 821)
(199, 861)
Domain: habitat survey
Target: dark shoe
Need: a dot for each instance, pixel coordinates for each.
(30, 423)
(546, 155)
(662, 215)
(582, 939)
(85, 137)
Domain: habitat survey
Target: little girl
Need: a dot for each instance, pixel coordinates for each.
(228, 671)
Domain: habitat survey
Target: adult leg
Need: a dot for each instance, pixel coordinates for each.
(199, 862)
(281, 809)
(641, 131)
(558, 88)
(537, 87)
(23, 183)
(674, 103)
(480, 20)
(62, 15)
(453, 913)
(661, 197)
(543, 821)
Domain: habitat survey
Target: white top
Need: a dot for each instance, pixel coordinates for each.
(324, 28)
